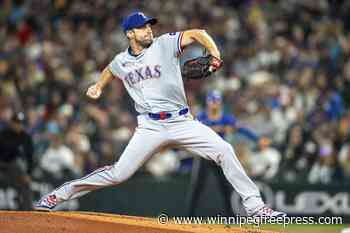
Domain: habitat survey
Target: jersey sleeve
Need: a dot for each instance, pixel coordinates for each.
(114, 67)
(172, 43)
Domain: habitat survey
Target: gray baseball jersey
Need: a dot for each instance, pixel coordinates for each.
(153, 78)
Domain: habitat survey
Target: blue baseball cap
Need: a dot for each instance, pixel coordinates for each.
(214, 96)
(136, 20)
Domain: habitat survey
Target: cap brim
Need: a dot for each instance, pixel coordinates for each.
(152, 21)
(149, 20)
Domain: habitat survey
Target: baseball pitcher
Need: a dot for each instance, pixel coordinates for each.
(150, 71)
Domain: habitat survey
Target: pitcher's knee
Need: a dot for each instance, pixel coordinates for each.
(119, 175)
(225, 148)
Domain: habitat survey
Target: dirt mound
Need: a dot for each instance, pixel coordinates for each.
(87, 222)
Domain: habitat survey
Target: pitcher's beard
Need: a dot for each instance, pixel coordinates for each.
(145, 44)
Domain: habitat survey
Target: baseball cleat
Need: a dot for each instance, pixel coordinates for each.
(46, 203)
(267, 212)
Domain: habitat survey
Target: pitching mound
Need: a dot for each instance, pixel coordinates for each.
(86, 222)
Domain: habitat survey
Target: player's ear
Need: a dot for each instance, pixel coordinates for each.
(130, 34)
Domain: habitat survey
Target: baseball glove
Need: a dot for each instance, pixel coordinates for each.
(200, 67)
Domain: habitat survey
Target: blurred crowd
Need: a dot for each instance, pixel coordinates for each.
(286, 76)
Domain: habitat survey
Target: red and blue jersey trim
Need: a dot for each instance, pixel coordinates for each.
(179, 40)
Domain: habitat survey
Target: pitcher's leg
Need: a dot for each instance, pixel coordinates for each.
(203, 141)
(141, 146)
(236, 175)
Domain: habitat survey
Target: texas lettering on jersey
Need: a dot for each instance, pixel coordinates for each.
(143, 73)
